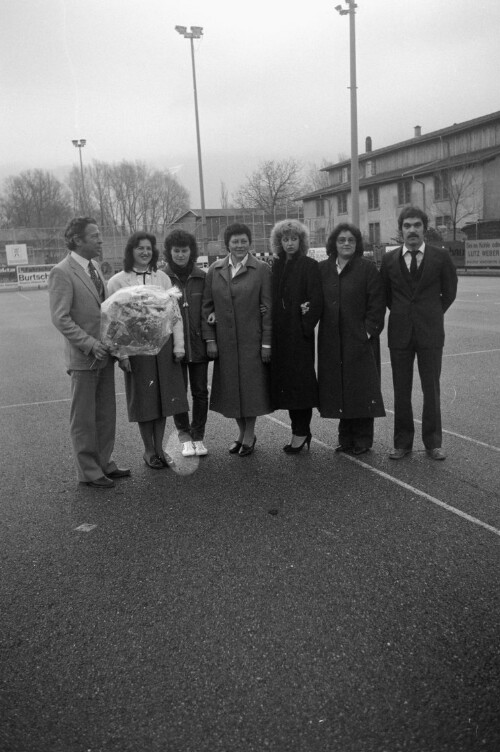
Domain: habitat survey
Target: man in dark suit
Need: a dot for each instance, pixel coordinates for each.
(421, 284)
(76, 291)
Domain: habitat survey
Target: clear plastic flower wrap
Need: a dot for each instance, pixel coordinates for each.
(139, 320)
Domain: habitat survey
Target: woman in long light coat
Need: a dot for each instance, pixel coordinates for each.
(238, 335)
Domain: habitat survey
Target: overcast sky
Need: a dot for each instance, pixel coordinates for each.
(272, 76)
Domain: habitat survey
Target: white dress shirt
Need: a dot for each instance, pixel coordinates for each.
(407, 255)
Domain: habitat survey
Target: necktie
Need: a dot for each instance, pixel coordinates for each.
(96, 280)
(413, 265)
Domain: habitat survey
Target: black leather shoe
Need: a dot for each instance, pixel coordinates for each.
(343, 448)
(436, 453)
(120, 472)
(235, 447)
(103, 482)
(154, 462)
(398, 454)
(360, 450)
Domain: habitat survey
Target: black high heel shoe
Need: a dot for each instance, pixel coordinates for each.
(289, 449)
(235, 447)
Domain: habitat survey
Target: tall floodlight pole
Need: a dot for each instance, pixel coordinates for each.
(351, 11)
(196, 33)
(80, 143)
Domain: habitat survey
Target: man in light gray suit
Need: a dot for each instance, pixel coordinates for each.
(76, 291)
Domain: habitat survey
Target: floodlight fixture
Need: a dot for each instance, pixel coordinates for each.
(351, 12)
(195, 33)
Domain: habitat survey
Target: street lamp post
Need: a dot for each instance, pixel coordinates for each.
(354, 109)
(79, 143)
(196, 33)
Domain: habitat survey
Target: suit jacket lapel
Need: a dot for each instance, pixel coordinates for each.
(85, 278)
(398, 260)
(428, 264)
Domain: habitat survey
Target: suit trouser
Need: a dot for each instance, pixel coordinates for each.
(429, 367)
(198, 379)
(93, 421)
(356, 432)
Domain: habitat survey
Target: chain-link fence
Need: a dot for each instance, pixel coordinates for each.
(46, 245)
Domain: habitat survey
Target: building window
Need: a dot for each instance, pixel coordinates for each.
(321, 236)
(370, 168)
(374, 233)
(320, 208)
(345, 175)
(373, 198)
(441, 186)
(444, 221)
(342, 203)
(404, 192)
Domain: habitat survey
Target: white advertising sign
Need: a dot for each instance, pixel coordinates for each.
(319, 254)
(17, 254)
(33, 276)
(8, 277)
(482, 252)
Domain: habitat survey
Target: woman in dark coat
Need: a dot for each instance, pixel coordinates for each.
(181, 252)
(348, 340)
(297, 303)
(236, 324)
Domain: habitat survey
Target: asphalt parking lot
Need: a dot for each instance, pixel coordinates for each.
(309, 603)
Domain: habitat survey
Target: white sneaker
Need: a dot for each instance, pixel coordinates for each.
(200, 448)
(188, 449)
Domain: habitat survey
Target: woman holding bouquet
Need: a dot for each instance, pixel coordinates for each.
(153, 383)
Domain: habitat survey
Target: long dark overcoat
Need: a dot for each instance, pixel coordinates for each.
(240, 384)
(293, 377)
(348, 360)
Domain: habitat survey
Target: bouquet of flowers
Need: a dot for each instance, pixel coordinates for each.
(139, 320)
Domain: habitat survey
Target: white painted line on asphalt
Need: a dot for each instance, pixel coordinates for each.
(458, 435)
(472, 352)
(24, 296)
(33, 404)
(424, 495)
(47, 402)
(401, 483)
(456, 355)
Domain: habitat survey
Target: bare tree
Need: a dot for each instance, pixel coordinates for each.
(272, 187)
(316, 177)
(34, 198)
(131, 196)
(456, 196)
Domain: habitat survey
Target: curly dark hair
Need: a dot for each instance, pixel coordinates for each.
(76, 228)
(180, 239)
(331, 243)
(132, 243)
(237, 228)
(413, 211)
